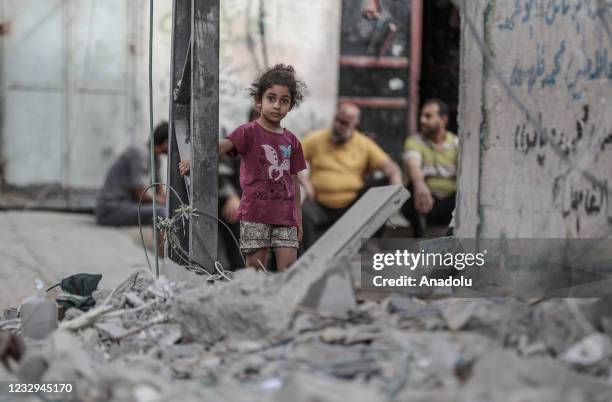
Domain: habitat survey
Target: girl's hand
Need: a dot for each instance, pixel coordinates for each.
(185, 167)
(230, 208)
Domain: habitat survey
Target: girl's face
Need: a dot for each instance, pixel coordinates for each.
(275, 103)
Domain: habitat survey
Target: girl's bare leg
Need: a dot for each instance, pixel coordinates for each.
(285, 256)
(257, 258)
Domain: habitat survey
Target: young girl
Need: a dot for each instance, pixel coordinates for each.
(270, 209)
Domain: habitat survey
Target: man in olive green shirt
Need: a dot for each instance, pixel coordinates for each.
(430, 164)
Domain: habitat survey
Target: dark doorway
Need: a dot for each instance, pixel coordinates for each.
(440, 55)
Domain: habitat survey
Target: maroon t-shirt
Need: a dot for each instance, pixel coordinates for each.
(268, 161)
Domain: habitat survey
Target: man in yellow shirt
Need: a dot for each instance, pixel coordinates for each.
(339, 158)
(430, 163)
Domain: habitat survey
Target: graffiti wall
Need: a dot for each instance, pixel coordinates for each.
(255, 34)
(536, 119)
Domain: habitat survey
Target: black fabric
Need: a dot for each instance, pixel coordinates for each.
(81, 284)
(440, 214)
(316, 219)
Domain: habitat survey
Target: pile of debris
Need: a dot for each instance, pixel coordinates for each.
(249, 339)
(302, 336)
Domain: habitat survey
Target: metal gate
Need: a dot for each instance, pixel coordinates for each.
(67, 97)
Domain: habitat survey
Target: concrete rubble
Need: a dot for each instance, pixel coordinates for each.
(252, 339)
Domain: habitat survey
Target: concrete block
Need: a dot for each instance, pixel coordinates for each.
(255, 306)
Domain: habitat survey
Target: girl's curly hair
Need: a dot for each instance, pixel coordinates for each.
(280, 74)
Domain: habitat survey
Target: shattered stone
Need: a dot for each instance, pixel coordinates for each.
(333, 293)
(12, 325)
(256, 339)
(72, 313)
(533, 374)
(118, 383)
(351, 335)
(593, 349)
(112, 328)
(556, 325)
(304, 387)
(249, 307)
(10, 314)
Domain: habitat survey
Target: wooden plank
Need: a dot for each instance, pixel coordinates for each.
(390, 103)
(369, 61)
(323, 272)
(178, 146)
(204, 130)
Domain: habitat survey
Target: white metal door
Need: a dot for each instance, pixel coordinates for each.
(68, 99)
(34, 80)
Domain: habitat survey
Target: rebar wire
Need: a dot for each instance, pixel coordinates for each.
(151, 145)
(185, 258)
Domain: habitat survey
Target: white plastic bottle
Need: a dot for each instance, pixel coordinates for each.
(38, 314)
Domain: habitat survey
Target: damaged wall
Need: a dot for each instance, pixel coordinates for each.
(302, 33)
(546, 173)
(91, 99)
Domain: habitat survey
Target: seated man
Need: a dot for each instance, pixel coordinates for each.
(339, 159)
(126, 181)
(430, 164)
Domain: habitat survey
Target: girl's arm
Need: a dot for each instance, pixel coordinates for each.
(298, 204)
(225, 146)
(304, 180)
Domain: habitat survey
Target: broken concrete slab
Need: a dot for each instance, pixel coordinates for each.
(333, 293)
(119, 383)
(249, 307)
(257, 307)
(341, 242)
(59, 358)
(254, 336)
(360, 222)
(304, 387)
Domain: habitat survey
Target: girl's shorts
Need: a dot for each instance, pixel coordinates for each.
(255, 235)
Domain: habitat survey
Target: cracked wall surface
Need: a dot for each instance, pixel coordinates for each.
(536, 121)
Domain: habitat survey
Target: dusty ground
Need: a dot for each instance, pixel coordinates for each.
(51, 246)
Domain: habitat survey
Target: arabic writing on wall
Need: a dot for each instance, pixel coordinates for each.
(563, 69)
